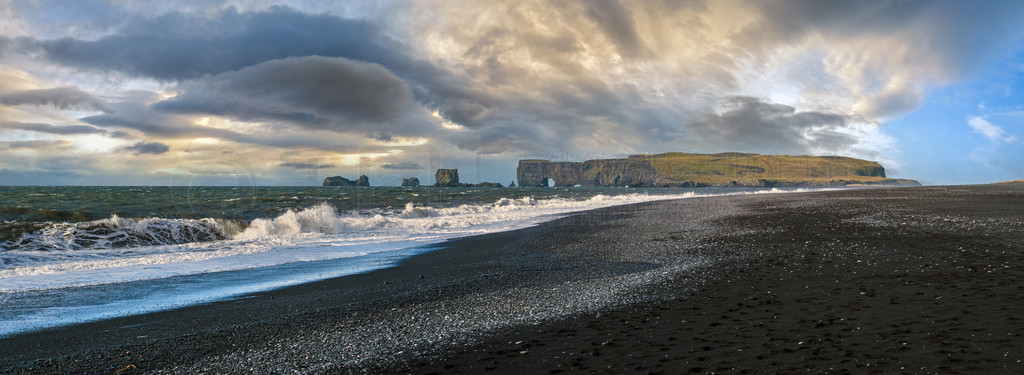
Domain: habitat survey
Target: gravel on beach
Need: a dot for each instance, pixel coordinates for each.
(915, 280)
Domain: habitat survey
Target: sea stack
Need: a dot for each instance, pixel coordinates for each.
(411, 182)
(447, 178)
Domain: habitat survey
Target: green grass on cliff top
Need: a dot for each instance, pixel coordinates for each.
(725, 167)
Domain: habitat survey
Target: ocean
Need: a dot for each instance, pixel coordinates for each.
(77, 254)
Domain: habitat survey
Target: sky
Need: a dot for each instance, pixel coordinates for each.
(272, 93)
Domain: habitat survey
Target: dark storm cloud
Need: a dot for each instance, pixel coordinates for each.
(402, 165)
(305, 165)
(230, 46)
(752, 125)
(318, 92)
(52, 129)
(178, 46)
(59, 97)
(155, 148)
(155, 124)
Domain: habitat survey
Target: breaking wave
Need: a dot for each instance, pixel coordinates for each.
(117, 241)
(322, 219)
(117, 232)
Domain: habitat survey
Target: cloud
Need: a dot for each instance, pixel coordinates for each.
(992, 132)
(160, 124)
(752, 125)
(616, 23)
(305, 165)
(186, 47)
(402, 165)
(315, 92)
(59, 97)
(155, 148)
(178, 46)
(40, 144)
(138, 116)
(239, 65)
(52, 129)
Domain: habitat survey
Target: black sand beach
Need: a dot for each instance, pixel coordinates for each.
(908, 280)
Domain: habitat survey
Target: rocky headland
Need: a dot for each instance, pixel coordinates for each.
(732, 169)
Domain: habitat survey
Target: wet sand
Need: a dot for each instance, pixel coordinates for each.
(908, 280)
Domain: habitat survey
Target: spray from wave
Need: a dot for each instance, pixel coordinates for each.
(323, 219)
(117, 232)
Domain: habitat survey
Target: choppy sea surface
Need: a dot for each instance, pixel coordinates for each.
(78, 254)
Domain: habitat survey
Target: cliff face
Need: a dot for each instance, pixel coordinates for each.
(610, 172)
(341, 181)
(700, 170)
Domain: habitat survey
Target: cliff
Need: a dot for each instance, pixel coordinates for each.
(341, 181)
(677, 169)
(411, 182)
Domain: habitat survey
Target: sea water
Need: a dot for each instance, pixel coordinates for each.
(79, 254)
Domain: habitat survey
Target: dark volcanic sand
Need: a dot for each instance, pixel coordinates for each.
(910, 280)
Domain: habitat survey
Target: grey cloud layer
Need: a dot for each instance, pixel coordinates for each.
(179, 46)
(60, 97)
(155, 148)
(402, 165)
(52, 129)
(317, 92)
(752, 125)
(305, 165)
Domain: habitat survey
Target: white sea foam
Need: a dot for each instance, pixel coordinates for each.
(119, 249)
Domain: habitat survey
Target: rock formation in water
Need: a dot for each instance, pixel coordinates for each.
(450, 178)
(487, 184)
(411, 182)
(446, 178)
(706, 170)
(341, 181)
